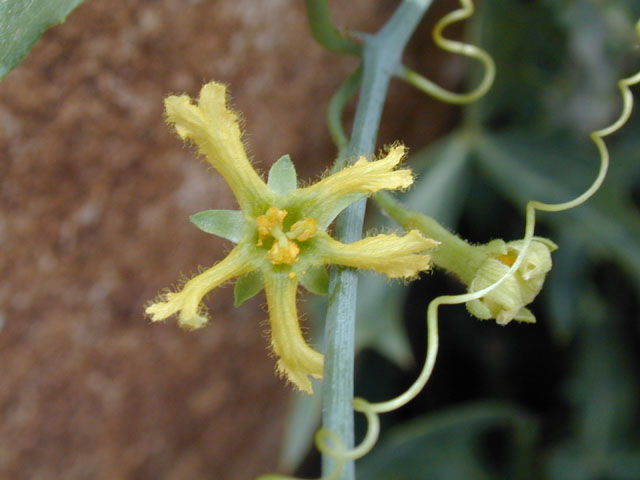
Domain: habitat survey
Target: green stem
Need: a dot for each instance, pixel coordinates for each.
(382, 53)
(325, 33)
(336, 106)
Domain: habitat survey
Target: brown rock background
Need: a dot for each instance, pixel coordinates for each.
(95, 194)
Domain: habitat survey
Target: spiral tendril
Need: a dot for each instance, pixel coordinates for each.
(430, 88)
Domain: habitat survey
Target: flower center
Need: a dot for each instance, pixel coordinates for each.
(284, 249)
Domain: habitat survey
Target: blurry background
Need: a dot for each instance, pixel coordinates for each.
(95, 194)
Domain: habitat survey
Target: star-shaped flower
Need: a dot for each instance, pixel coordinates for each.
(281, 231)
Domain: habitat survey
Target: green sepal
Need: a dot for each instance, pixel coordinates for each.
(553, 246)
(282, 176)
(227, 224)
(316, 280)
(247, 286)
(525, 316)
(328, 213)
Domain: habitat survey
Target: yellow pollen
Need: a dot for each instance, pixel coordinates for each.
(288, 254)
(284, 249)
(270, 221)
(303, 229)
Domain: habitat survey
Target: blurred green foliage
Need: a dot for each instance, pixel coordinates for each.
(22, 22)
(567, 388)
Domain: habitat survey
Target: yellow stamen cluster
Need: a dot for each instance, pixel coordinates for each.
(303, 229)
(284, 250)
(287, 254)
(269, 223)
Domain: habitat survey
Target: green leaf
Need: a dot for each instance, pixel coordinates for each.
(316, 280)
(602, 395)
(303, 420)
(443, 179)
(247, 286)
(566, 280)
(532, 57)
(447, 444)
(602, 390)
(625, 464)
(282, 176)
(227, 224)
(380, 318)
(21, 24)
(567, 462)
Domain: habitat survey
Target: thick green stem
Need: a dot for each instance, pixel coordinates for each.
(453, 254)
(382, 53)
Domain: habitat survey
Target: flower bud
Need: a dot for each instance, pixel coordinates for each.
(507, 301)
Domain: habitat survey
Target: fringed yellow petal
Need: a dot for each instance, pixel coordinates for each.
(392, 255)
(297, 360)
(366, 177)
(332, 194)
(186, 302)
(216, 131)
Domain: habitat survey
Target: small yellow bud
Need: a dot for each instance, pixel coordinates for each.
(508, 300)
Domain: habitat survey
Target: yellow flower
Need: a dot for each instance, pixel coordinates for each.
(508, 300)
(281, 231)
